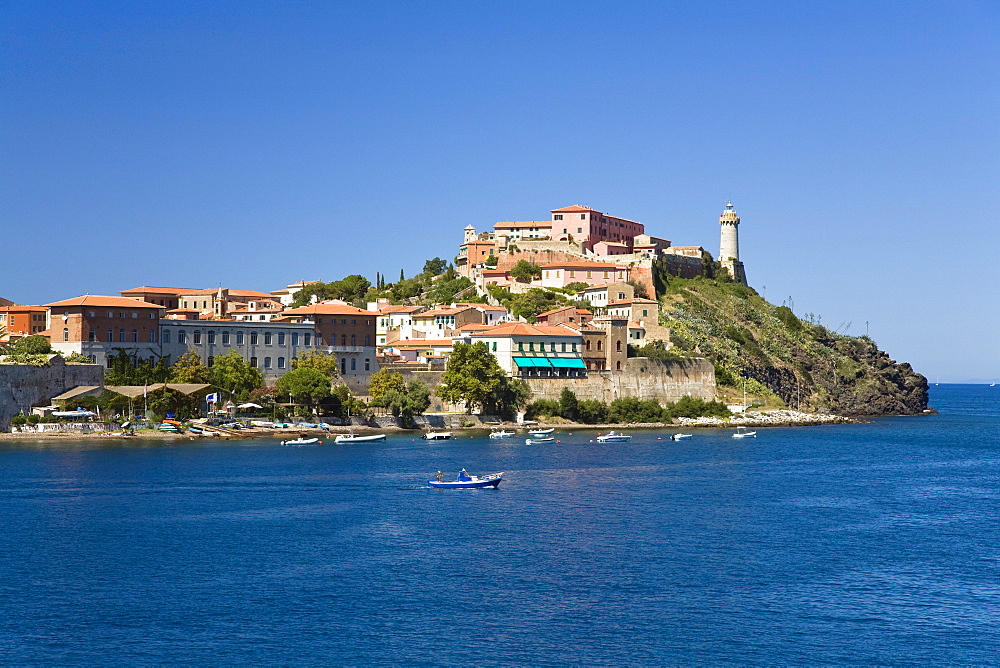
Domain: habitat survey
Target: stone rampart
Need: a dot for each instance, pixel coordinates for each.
(642, 378)
(23, 385)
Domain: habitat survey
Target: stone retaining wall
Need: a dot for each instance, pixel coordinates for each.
(23, 386)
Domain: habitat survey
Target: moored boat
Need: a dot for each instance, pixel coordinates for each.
(437, 436)
(302, 441)
(502, 434)
(541, 432)
(613, 437)
(741, 432)
(540, 439)
(351, 438)
(466, 481)
(677, 437)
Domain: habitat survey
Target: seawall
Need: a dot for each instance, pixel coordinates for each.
(23, 386)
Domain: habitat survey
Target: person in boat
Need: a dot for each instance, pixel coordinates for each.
(463, 475)
(439, 477)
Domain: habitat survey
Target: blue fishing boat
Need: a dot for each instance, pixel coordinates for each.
(466, 481)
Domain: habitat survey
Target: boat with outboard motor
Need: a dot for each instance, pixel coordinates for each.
(437, 436)
(613, 437)
(302, 440)
(677, 437)
(466, 481)
(741, 432)
(540, 439)
(502, 433)
(541, 432)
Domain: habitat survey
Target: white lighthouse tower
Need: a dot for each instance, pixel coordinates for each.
(729, 244)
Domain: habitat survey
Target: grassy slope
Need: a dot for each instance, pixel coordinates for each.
(786, 360)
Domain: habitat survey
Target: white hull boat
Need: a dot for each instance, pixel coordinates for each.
(741, 432)
(351, 438)
(437, 436)
(613, 437)
(540, 439)
(502, 434)
(541, 432)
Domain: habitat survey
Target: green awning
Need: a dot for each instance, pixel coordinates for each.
(531, 361)
(567, 363)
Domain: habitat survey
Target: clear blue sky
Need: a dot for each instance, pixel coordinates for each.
(255, 144)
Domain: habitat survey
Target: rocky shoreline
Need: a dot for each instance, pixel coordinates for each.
(775, 418)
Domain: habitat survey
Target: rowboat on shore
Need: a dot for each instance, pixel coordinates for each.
(466, 481)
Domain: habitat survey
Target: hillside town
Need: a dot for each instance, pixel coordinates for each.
(595, 270)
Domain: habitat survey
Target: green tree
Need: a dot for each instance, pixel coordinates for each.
(306, 384)
(126, 368)
(576, 286)
(304, 297)
(472, 375)
(569, 406)
(529, 304)
(325, 363)
(592, 411)
(189, 369)
(31, 345)
(77, 358)
(165, 400)
(383, 382)
(524, 271)
(510, 396)
(235, 375)
(435, 267)
(401, 398)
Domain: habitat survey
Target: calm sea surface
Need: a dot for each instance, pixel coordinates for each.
(856, 544)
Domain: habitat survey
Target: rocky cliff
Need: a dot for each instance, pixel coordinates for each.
(775, 355)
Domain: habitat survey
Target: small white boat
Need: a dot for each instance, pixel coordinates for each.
(502, 434)
(351, 438)
(677, 437)
(613, 437)
(541, 432)
(741, 432)
(540, 439)
(437, 436)
(302, 441)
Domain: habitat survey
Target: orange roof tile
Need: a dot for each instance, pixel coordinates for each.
(164, 291)
(524, 223)
(328, 309)
(522, 329)
(581, 265)
(102, 301)
(576, 208)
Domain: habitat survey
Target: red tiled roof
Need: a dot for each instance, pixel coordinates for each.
(637, 300)
(102, 301)
(522, 329)
(328, 309)
(576, 208)
(394, 308)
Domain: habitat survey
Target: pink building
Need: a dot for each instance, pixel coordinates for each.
(561, 274)
(588, 226)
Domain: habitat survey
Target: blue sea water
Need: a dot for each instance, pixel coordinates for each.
(873, 543)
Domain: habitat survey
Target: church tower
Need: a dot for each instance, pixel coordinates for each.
(729, 244)
(470, 233)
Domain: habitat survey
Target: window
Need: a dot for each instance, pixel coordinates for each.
(574, 347)
(368, 339)
(587, 345)
(645, 313)
(166, 336)
(618, 365)
(531, 346)
(579, 230)
(494, 346)
(354, 364)
(564, 347)
(306, 338)
(135, 336)
(618, 346)
(121, 336)
(239, 338)
(520, 346)
(343, 365)
(558, 216)
(197, 337)
(211, 361)
(91, 314)
(253, 338)
(368, 364)
(182, 337)
(111, 314)
(211, 338)
(121, 314)
(343, 339)
(135, 314)
(281, 362)
(65, 333)
(92, 335)
(295, 338)
(152, 336)
(354, 340)
(253, 362)
(267, 362)
(267, 338)
(583, 216)
(600, 345)
(281, 338)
